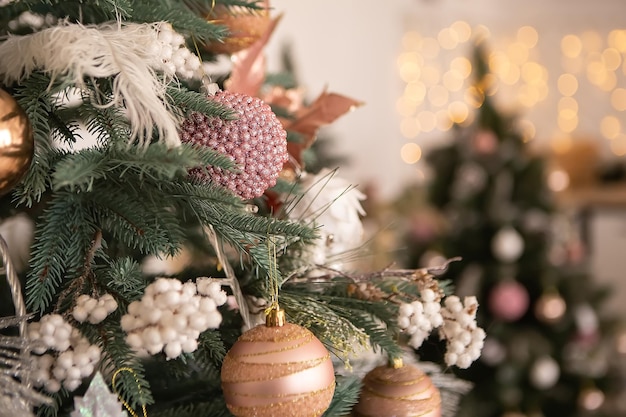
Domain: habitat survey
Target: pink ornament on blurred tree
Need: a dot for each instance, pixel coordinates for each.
(484, 142)
(508, 301)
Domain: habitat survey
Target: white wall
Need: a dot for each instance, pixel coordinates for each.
(352, 46)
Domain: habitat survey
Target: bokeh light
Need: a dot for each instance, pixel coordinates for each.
(611, 58)
(617, 39)
(591, 41)
(618, 99)
(571, 46)
(567, 103)
(618, 145)
(462, 29)
(567, 84)
(610, 127)
(528, 36)
(458, 111)
(439, 89)
(558, 180)
(410, 153)
(591, 399)
(438, 96)
(427, 121)
(411, 40)
(409, 127)
(567, 123)
(447, 38)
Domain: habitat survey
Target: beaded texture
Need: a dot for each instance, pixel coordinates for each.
(171, 315)
(456, 321)
(64, 356)
(255, 141)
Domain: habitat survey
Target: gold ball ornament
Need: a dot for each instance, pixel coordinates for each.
(591, 399)
(398, 391)
(550, 307)
(16, 142)
(244, 26)
(278, 370)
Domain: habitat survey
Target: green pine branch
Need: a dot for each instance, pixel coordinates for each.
(208, 358)
(211, 349)
(80, 170)
(248, 4)
(136, 217)
(379, 336)
(214, 408)
(183, 19)
(108, 124)
(35, 97)
(86, 12)
(245, 232)
(52, 410)
(338, 333)
(187, 101)
(64, 131)
(124, 277)
(63, 236)
(346, 396)
(374, 321)
(132, 387)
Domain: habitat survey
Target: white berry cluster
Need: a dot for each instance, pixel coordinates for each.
(464, 339)
(171, 315)
(420, 317)
(31, 20)
(93, 310)
(455, 321)
(66, 356)
(174, 56)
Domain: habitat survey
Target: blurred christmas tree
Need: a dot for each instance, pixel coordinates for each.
(546, 353)
(158, 220)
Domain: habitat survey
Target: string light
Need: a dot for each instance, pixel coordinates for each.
(571, 46)
(618, 99)
(618, 145)
(528, 36)
(439, 90)
(558, 180)
(617, 39)
(610, 127)
(411, 153)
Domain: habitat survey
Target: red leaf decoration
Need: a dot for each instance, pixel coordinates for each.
(248, 71)
(327, 108)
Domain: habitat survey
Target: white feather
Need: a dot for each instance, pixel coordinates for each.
(110, 50)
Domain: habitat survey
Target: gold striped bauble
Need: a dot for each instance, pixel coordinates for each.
(274, 371)
(244, 26)
(402, 391)
(17, 145)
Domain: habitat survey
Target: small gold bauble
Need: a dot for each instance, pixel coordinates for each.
(278, 370)
(16, 142)
(550, 307)
(398, 391)
(591, 399)
(244, 26)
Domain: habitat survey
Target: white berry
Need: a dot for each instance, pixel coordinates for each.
(171, 315)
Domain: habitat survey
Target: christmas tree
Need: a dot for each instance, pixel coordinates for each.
(176, 256)
(546, 353)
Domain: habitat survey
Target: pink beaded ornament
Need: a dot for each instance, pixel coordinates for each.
(255, 141)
